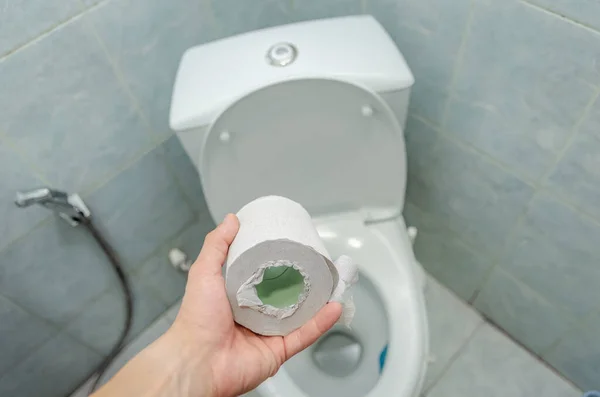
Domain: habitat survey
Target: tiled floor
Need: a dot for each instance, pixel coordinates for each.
(469, 357)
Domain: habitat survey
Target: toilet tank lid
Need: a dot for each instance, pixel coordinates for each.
(355, 49)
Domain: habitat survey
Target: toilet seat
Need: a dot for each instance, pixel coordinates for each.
(329, 145)
(336, 148)
(382, 248)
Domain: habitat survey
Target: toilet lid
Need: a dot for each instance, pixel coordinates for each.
(330, 145)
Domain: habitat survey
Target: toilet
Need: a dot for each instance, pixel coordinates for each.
(315, 112)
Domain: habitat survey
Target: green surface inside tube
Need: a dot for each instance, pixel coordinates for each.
(281, 286)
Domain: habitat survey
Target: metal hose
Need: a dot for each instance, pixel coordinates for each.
(126, 288)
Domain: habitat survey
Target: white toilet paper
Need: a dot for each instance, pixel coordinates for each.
(278, 273)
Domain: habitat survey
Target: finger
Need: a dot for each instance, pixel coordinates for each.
(308, 334)
(216, 245)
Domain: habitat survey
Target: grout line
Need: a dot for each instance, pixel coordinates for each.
(82, 10)
(538, 188)
(120, 76)
(135, 273)
(465, 145)
(484, 280)
(573, 133)
(86, 193)
(557, 14)
(364, 5)
(34, 349)
(510, 236)
(160, 317)
(565, 201)
(55, 326)
(101, 182)
(488, 158)
(580, 324)
(540, 360)
(453, 358)
(33, 168)
(574, 207)
(426, 121)
(533, 291)
(172, 171)
(35, 171)
(495, 257)
(112, 286)
(460, 55)
(35, 227)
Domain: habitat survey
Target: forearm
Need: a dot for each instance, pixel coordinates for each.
(166, 368)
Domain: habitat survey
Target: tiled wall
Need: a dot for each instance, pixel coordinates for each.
(504, 157)
(85, 88)
(503, 143)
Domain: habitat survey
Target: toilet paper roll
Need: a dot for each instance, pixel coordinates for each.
(278, 273)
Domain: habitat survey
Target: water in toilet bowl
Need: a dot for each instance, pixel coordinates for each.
(345, 361)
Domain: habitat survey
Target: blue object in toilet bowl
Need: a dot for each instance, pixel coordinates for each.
(592, 393)
(383, 355)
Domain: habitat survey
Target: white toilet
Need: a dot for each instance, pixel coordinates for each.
(315, 112)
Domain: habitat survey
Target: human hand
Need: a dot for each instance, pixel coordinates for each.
(228, 358)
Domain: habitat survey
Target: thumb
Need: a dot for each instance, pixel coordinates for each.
(308, 334)
(216, 245)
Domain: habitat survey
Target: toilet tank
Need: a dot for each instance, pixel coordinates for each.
(212, 76)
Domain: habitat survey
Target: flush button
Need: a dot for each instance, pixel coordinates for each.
(282, 54)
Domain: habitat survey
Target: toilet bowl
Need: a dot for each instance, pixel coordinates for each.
(389, 312)
(315, 112)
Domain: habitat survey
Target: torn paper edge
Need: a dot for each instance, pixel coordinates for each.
(247, 296)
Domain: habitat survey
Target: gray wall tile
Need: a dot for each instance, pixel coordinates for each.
(583, 11)
(556, 252)
(447, 258)
(146, 39)
(428, 32)
(20, 334)
(158, 274)
(23, 20)
(493, 365)
(62, 106)
(186, 174)
(54, 271)
(239, 16)
(140, 209)
(515, 46)
(505, 132)
(420, 139)
(14, 176)
(578, 355)
(525, 79)
(577, 175)
(316, 9)
(52, 371)
(451, 323)
(521, 312)
(152, 333)
(100, 324)
(474, 197)
(428, 100)
(192, 239)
